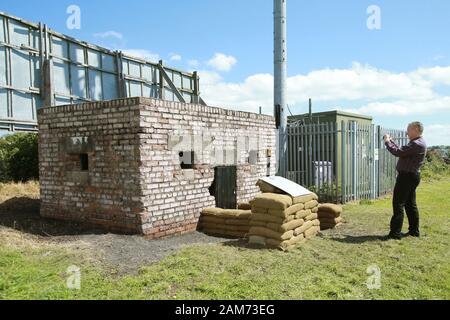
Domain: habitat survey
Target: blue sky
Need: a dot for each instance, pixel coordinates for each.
(397, 74)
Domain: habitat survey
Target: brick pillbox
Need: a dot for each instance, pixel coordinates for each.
(116, 164)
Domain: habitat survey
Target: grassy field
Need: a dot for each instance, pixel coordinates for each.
(332, 266)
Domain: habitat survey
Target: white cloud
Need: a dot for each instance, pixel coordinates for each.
(222, 62)
(406, 107)
(437, 134)
(109, 34)
(193, 63)
(379, 92)
(142, 54)
(437, 75)
(174, 57)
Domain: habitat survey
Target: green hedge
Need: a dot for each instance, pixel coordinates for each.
(19, 160)
(436, 165)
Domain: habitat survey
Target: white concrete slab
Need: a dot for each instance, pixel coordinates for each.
(291, 188)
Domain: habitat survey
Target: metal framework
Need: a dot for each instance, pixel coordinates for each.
(41, 67)
(342, 162)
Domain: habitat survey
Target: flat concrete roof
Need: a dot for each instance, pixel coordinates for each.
(335, 113)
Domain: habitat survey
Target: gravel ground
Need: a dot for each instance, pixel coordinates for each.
(126, 254)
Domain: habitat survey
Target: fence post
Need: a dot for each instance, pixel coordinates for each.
(343, 161)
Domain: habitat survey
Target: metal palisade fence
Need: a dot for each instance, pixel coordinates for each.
(40, 67)
(343, 161)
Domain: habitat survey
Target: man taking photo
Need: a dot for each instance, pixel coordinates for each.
(411, 158)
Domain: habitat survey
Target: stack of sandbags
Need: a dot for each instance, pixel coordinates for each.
(225, 223)
(244, 206)
(329, 215)
(280, 221)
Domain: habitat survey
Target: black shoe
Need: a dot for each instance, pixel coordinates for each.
(391, 237)
(411, 234)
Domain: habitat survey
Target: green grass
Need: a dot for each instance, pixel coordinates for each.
(333, 266)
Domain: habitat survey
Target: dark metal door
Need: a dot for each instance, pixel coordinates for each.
(225, 187)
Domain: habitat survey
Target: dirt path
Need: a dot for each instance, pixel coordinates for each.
(20, 222)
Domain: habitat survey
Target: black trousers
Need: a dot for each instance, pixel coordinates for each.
(405, 199)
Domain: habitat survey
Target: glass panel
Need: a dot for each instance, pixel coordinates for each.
(59, 47)
(61, 76)
(168, 95)
(95, 85)
(187, 83)
(22, 107)
(24, 127)
(2, 30)
(78, 81)
(187, 97)
(20, 67)
(4, 133)
(150, 91)
(135, 69)
(110, 91)
(76, 53)
(135, 89)
(125, 67)
(108, 62)
(177, 80)
(147, 73)
(18, 33)
(2, 66)
(35, 38)
(150, 73)
(61, 101)
(3, 103)
(36, 71)
(94, 58)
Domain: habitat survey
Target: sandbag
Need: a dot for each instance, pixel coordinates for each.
(307, 225)
(239, 214)
(257, 223)
(265, 232)
(330, 207)
(212, 226)
(237, 222)
(305, 199)
(311, 204)
(272, 201)
(257, 240)
(331, 221)
(256, 209)
(225, 233)
(327, 215)
(316, 222)
(311, 232)
(211, 211)
(302, 214)
(267, 218)
(212, 219)
(292, 225)
(311, 217)
(244, 206)
(287, 244)
(288, 211)
(315, 209)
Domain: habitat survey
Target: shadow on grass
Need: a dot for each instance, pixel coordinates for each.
(360, 239)
(22, 214)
